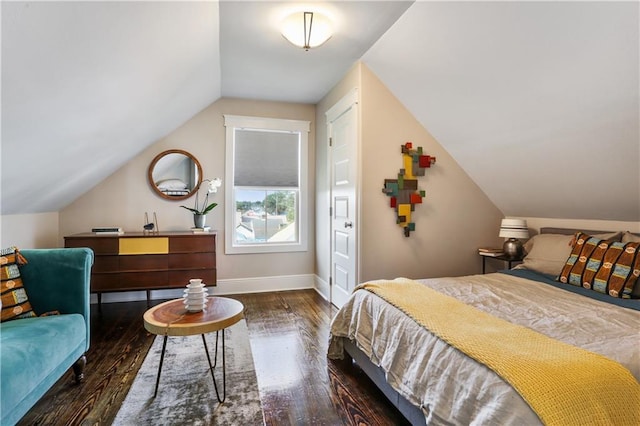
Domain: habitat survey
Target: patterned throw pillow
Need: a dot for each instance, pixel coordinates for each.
(15, 303)
(607, 267)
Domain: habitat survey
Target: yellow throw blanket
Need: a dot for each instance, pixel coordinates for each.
(563, 384)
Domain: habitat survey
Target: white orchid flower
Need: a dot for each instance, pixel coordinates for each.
(212, 187)
(214, 184)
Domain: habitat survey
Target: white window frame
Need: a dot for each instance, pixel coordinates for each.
(233, 122)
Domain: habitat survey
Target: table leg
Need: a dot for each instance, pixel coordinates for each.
(164, 346)
(211, 367)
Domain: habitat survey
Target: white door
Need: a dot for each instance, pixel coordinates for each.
(342, 122)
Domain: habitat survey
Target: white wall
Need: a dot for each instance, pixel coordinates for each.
(454, 220)
(123, 198)
(39, 230)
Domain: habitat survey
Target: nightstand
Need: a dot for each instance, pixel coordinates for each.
(510, 261)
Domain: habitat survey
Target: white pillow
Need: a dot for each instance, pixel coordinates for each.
(547, 253)
(168, 184)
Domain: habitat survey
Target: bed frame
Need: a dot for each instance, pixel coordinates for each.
(412, 413)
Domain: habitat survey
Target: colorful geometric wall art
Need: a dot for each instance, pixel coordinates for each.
(403, 191)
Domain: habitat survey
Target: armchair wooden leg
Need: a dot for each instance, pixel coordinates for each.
(78, 368)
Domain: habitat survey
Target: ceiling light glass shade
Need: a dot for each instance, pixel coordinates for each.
(307, 29)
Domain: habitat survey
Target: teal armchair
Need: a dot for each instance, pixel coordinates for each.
(36, 352)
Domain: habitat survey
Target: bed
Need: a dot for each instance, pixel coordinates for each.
(431, 382)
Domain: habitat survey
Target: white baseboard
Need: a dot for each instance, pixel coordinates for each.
(322, 287)
(263, 284)
(230, 286)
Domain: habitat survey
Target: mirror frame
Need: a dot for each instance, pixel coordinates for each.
(158, 158)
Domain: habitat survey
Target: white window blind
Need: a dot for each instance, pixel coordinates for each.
(266, 158)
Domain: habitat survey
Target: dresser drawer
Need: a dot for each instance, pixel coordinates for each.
(143, 245)
(143, 280)
(192, 260)
(99, 245)
(192, 244)
(105, 264)
(143, 262)
(104, 282)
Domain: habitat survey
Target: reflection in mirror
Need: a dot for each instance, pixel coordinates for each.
(175, 174)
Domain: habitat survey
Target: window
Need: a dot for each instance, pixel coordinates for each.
(266, 193)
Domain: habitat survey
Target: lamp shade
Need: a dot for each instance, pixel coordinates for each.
(306, 29)
(514, 228)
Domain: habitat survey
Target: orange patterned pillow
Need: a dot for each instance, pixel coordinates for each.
(15, 303)
(607, 267)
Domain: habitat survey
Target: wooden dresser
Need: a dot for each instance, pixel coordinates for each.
(137, 261)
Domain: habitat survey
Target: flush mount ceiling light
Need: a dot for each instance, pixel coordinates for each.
(306, 29)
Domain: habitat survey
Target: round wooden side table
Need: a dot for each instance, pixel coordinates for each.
(172, 319)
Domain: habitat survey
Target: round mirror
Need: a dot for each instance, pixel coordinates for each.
(175, 174)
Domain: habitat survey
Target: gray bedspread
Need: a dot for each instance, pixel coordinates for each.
(452, 388)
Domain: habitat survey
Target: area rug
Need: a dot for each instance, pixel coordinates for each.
(186, 395)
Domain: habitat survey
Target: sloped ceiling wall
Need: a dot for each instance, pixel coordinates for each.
(86, 86)
(538, 101)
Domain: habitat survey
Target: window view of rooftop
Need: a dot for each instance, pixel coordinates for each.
(264, 216)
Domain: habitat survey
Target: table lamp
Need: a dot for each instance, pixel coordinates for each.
(513, 229)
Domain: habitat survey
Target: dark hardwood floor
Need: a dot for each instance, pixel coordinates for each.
(289, 336)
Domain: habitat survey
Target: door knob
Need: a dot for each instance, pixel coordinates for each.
(348, 224)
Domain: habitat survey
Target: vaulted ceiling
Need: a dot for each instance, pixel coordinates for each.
(537, 101)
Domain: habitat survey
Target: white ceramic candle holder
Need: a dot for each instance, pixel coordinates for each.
(195, 295)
